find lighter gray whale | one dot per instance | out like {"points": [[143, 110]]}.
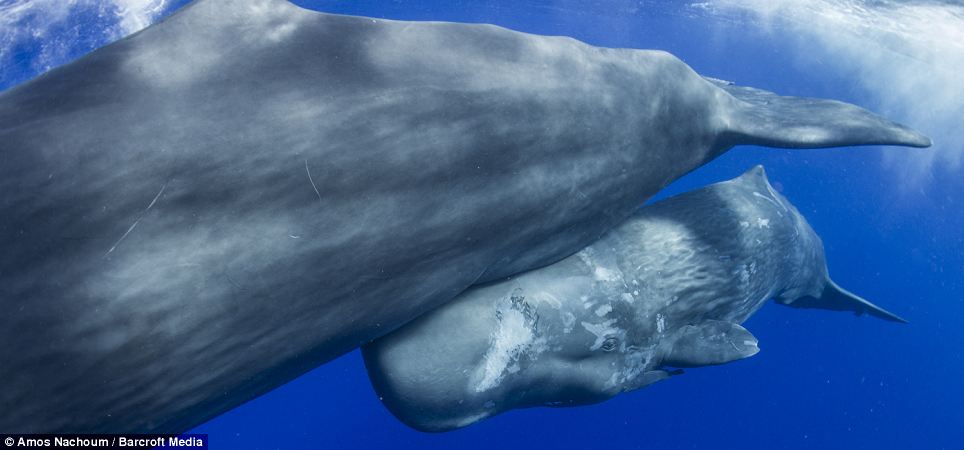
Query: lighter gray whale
{"points": [[667, 289], [203, 211]]}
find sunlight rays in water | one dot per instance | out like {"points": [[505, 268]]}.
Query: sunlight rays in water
{"points": [[907, 55], [38, 35]]}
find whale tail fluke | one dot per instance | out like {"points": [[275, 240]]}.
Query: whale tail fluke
{"points": [[836, 298], [763, 118]]}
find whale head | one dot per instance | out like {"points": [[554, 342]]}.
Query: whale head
{"points": [[552, 337]]}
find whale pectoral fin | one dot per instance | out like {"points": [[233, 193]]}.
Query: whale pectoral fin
{"points": [[764, 118], [708, 343], [649, 377], [836, 298]]}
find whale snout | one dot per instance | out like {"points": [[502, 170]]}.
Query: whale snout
{"points": [[750, 347]]}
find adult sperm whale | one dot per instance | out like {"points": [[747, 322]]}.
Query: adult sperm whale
{"points": [[668, 288], [202, 211]]}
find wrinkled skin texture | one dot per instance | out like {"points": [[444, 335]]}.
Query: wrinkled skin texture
{"points": [[666, 289], [211, 207]]}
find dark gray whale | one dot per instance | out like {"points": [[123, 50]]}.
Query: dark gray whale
{"points": [[666, 289], [202, 211]]}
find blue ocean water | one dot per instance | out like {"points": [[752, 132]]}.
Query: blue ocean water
{"points": [[890, 218]]}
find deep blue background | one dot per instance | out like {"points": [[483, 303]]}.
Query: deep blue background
{"points": [[822, 379]]}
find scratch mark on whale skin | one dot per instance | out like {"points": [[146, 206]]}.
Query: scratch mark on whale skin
{"points": [[137, 221], [310, 180]]}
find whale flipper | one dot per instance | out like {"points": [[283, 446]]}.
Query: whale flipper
{"points": [[836, 298], [761, 117], [649, 377], [708, 343]]}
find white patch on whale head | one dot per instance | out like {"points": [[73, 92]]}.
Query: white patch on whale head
{"points": [[599, 270], [604, 274], [547, 298], [568, 321], [603, 310], [509, 342], [744, 273], [514, 338], [602, 331]]}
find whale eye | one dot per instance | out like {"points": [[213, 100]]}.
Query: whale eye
{"points": [[609, 344]]}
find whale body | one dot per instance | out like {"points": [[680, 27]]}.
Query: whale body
{"points": [[202, 211], [667, 289]]}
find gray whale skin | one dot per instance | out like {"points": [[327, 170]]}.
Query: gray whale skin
{"points": [[666, 289], [202, 211]]}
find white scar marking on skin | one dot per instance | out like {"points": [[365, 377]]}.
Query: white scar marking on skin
{"points": [[604, 274], [762, 223], [744, 275], [774, 195], [568, 320], [603, 310], [312, 181], [601, 331], [769, 199], [548, 298], [636, 363], [138, 220], [513, 338]]}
